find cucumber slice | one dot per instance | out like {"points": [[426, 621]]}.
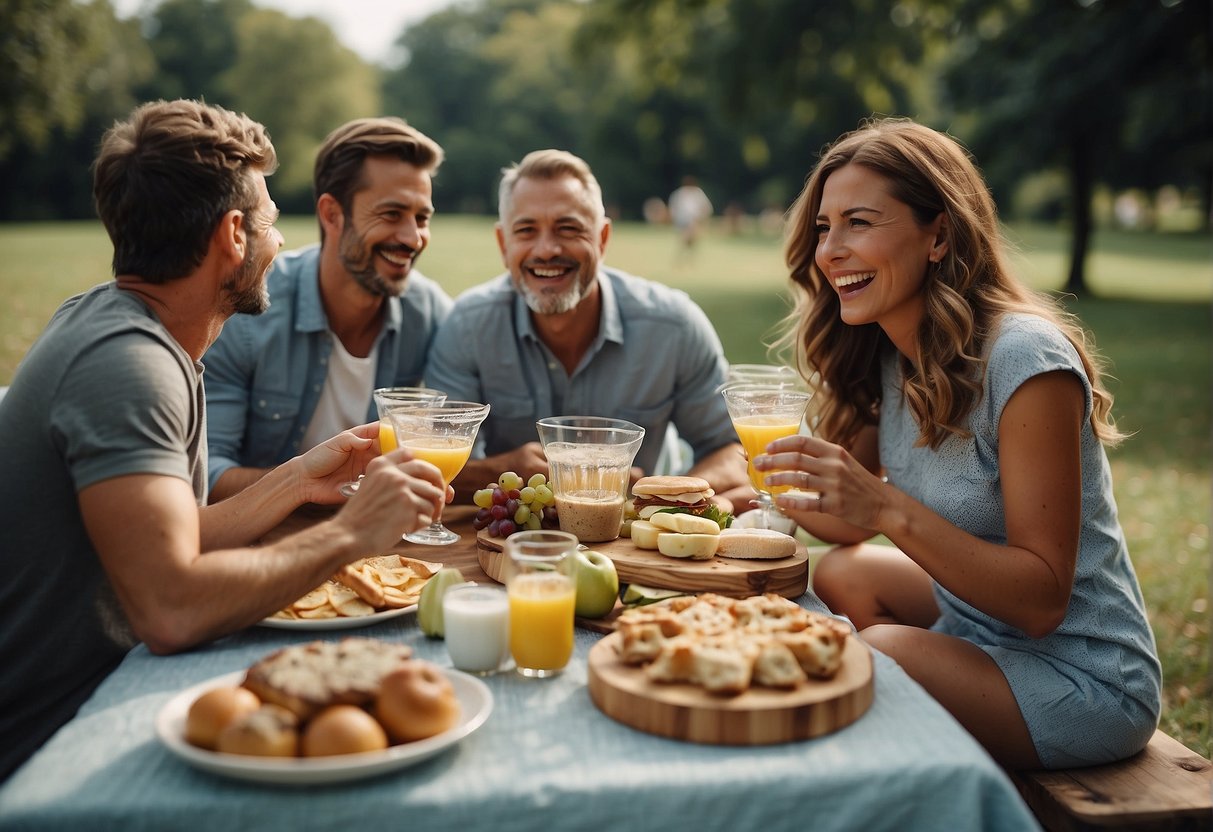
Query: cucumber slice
{"points": [[637, 596]]}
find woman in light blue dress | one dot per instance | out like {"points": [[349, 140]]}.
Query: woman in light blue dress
{"points": [[964, 419]]}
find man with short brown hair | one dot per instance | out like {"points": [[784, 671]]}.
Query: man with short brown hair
{"points": [[348, 315]]}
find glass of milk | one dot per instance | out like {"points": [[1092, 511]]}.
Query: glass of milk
{"points": [[476, 619], [590, 459]]}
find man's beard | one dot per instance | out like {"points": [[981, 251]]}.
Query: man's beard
{"points": [[247, 293], [555, 303], [358, 259]]}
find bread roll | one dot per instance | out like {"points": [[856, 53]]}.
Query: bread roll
{"points": [[755, 544]]}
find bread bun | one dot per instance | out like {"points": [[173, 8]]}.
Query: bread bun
{"points": [[755, 544], [214, 710], [342, 729], [694, 487], [416, 701], [644, 534], [693, 546], [269, 731], [684, 523]]}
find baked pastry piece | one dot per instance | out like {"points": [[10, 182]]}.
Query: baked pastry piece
{"points": [[306, 678], [725, 644]]}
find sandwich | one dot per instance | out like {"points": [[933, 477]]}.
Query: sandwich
{"points": [[681, 495]]}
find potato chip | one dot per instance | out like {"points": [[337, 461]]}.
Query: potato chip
{"points": [[400, 578]]}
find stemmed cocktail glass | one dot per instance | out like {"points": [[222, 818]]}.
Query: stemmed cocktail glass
{"points": [[387, 398], [761, 414], [441, 433]]}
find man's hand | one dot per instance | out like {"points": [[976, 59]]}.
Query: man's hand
{"points": [[524, 460], [398, 494], [336, 461]]}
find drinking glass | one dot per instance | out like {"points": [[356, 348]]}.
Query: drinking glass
{"points": [[590, 460], [541, 581], [385, 399], [476, 619], [441, 433], [761, 414], [775, 375]]}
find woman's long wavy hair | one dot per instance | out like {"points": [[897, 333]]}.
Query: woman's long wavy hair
{"points": [[964, 295]]}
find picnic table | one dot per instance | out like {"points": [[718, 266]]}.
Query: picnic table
{"points": [[545, 758]]}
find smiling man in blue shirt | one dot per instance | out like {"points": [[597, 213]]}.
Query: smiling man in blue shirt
{"points": [[346, 316], [560, 334]]}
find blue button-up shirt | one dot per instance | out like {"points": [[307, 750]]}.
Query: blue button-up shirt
{"points": [[656, 360], [265, 373]]}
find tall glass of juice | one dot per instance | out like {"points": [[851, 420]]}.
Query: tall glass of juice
{"points": [[541, 581]]}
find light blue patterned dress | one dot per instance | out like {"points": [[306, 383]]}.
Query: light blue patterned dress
{"points": [[1089, 691]]}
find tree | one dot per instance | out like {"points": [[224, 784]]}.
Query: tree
{"points": [[302, 106], [1108, 90], [47, 51]]}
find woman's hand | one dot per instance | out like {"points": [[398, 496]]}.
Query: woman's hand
{"points": [[844, 488]]}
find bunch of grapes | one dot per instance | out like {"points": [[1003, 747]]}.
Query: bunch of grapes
{"points": [[508, 505]]}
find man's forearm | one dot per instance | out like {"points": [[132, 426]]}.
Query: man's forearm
{"points": [[724, 468], [242, 520], [233, 481]]}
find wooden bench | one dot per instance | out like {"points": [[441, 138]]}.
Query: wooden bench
{"points": [[1165, 787]]}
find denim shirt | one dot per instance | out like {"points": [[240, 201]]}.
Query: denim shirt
{"points": [[656, 361], [265, 373]]}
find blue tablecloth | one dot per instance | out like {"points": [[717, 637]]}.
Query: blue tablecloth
{"points": [[546, 758]]}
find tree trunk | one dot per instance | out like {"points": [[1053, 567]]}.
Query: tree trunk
{"points": [[1080, 207]]}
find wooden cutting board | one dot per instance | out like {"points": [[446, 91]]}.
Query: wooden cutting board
{"points": [[735, 578], [760, 716]]}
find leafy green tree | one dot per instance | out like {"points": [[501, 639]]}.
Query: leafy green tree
{"points": [[1114, 91], [194, 42], [46, 173], [301, 106], [48, 49]]}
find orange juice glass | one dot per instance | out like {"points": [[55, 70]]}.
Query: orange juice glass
{"points": [[441, 433], [755, 433], [761, 414], [541, 581]]}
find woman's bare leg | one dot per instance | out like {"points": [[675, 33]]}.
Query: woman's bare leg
{"points": [[964, 679], [873, 584]]}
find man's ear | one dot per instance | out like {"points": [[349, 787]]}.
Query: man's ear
{"points": [[500, 233], [230, 239], [604, 234], [330, 214]]}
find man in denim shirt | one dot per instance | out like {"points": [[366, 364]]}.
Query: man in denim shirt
{"points": [[347, 316], [559, 334]]}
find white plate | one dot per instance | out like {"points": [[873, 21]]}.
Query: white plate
{"points": [[475, 701], [345, 622]]}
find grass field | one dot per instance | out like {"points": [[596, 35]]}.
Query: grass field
{"points": [[1151, 320]]}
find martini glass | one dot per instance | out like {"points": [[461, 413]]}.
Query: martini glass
{"points": [[761, 414], [441, 433], [387, 398]]}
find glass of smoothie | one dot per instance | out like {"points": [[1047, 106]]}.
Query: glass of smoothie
{"points": [[590, 462], [541, 583]]}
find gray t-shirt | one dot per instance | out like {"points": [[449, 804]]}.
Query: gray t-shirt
{"points": [[104, 392]]}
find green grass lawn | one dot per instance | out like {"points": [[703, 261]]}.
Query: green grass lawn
{"points": [[1151, 319]]}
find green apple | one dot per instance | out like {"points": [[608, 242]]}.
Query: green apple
{"points": [[597, 584]]}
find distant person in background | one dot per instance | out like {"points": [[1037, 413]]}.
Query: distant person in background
{"points": [[105, 538], [1010, 596], [689, 209], [348, 315], [560, 334]]}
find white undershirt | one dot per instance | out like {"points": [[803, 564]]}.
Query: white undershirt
{"points": [[345, 397]]}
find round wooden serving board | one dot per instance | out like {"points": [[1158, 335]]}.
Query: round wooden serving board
{"points": [[733, 577], [760, 716]]}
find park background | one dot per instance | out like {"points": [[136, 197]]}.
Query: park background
{"points": [[1090, 118]]}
